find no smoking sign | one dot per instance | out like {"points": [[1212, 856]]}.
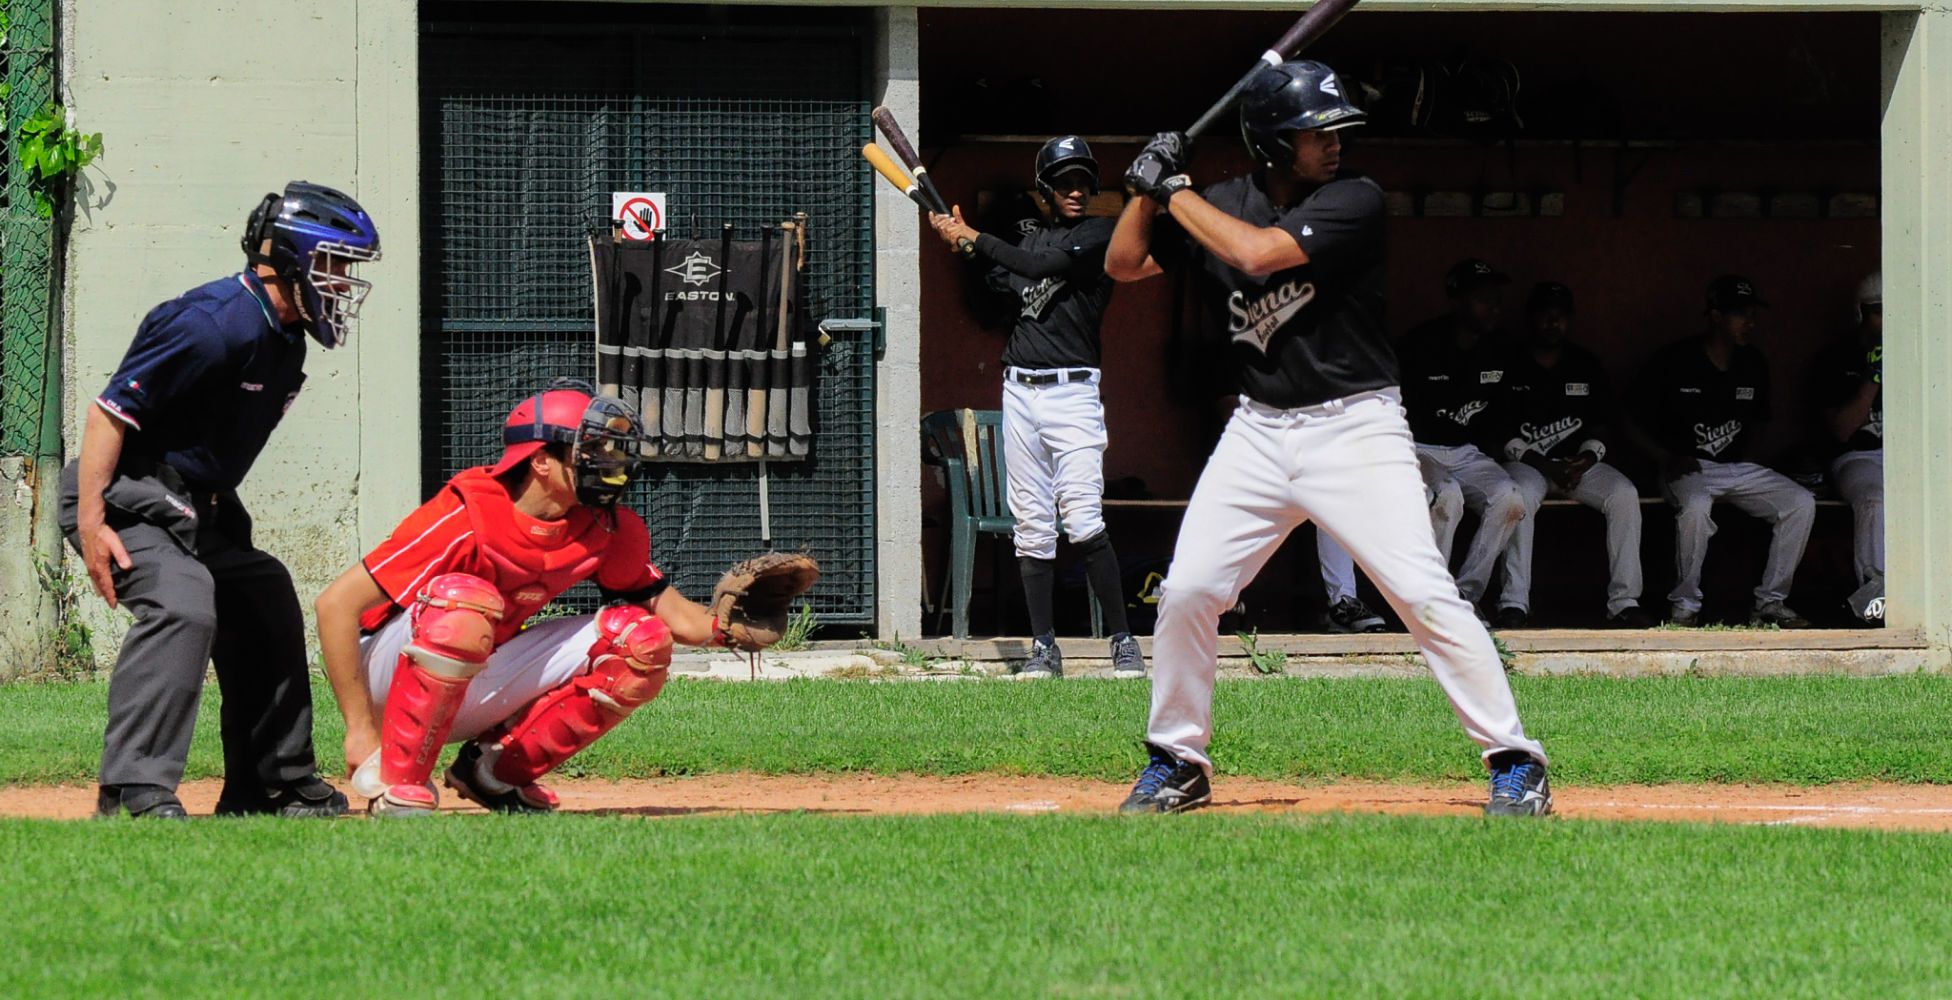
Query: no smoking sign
{"points": [[640, 214]]}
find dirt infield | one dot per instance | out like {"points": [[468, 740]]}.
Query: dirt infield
{"points": [[1881, 806]]}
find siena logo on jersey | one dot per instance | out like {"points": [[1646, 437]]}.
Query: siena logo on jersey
{"points": [[1714, 440], [1254, 322]]}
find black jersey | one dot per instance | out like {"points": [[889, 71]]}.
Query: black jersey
{"points": [[1693, 408], [1841, 369], [1057, 275], [1308, 334], [1556, 410], [1454, 396]]}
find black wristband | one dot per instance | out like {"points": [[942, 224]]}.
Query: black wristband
{"points": [[1170, 186]]}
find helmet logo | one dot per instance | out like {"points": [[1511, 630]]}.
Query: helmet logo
{"points": [[697, 269], [1329, 86]]}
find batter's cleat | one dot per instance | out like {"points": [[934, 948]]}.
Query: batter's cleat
{"points": [[1349, 615], [1167, 785], [1518, 787], [405, 801], [1778, 614], [139, 801], [472, 776], [1510, 617], [1632, 617], [1127, 661], [1045, 659], [1682, 617], [307, 798]]}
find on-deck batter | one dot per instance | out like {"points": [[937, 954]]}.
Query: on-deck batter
{"points": [[1298, 251]]}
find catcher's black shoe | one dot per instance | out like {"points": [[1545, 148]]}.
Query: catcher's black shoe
{"points": [[1046, 660], [140, 801], [1518, 786], [307, 798], [470, 778], [1167, 785]]}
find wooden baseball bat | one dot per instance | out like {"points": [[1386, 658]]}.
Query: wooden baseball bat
{"points": [[884, 120], [1312, 25], [890, 171]]}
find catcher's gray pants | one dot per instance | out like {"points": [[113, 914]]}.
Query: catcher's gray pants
{"points": [[1859, 476], [1459, 478], [1602, 488], [1754, 490], [1349, 466]]}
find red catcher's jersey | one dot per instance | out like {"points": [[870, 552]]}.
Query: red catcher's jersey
{"points": [[471, 526]]}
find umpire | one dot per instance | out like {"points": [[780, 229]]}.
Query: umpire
{"points": [[152, 507], [1053, 420]]}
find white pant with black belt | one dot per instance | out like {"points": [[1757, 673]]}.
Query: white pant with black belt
{"points": [[1602, 488], [1054, 450], [1460, 477], [1754, 490], [1348, 465]]}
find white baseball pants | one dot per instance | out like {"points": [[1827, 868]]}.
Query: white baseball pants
{"points": [[1054, 451], [519, 671], [1754, 490], [1350, 466], [1859, 476], [1459, 478], [1602, 488]]}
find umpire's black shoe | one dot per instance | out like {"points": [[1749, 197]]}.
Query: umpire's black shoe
{"points": [[1168, 785], [1518, 786], [140, 801], [306, 798]]}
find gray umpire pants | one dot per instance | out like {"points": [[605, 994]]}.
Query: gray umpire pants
{"points": [[1602, 488], [1754, 490], [1859, 476], [1459, 478], [217, 600]]}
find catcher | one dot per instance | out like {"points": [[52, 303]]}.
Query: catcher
{"points": [[423, 638]]}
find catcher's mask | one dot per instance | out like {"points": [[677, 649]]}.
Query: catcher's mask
{"points": [[603, 436]]}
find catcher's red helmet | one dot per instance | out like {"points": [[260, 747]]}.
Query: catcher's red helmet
{"points": [[549, 417]]}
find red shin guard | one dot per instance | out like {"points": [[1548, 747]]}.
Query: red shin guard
{"points": [[420, 708], [453, 635], [627, 669]]}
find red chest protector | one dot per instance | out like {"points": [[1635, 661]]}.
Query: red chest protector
{"points": [[528, 560]]}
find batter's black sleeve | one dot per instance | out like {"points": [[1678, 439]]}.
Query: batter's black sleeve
{"points": [[1035, 264], [1342, 221]]}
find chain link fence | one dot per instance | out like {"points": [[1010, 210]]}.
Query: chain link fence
{"points": [[27, 366], [529, 127]]}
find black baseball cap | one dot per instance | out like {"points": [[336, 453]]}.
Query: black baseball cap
{"points": [[1471, 273], [1732, 291], [1550, 295]]}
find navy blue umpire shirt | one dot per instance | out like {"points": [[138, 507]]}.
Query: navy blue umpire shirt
{"points": [[210, 374]]}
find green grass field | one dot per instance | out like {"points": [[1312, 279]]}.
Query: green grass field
{"points": [[1016, 905]]}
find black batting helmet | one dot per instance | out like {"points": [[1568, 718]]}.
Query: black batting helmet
{"points": [[1064, 153], [1304, 96]]}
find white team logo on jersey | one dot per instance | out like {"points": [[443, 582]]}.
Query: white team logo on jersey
{"points": [[1874, 424], [1037, 298], [1253, 323], [1463, 415], [1579, 389], [1714, 440], [1546, 437], [1491, 378]]}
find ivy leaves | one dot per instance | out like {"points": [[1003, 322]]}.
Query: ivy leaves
{"points": [[53, 153]]}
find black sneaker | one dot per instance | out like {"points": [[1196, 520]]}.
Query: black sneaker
{"points": [[1045, 659], [1510, 617], [470, 777], [140, 801], [306, 798], [1127, 661], [1518, 787], [1778, 614], [1167, 785], [1350, 615], [1631, 617]]}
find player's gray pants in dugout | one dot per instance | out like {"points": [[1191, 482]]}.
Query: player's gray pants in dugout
{"points": [[1859, 476], [1754, 490], [226, 602], [1466, 473], [1602, 488], [1349, 466]]}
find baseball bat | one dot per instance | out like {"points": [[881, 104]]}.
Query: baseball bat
{"points": [[890, 171], [1312, 25], [884, 120]]}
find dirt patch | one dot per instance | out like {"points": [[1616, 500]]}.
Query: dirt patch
{"points": [[1881, 806]]}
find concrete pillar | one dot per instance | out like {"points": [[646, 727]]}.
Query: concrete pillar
{"points": [[898, 383]]}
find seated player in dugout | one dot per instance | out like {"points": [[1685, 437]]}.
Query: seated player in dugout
{"points": [[1454, 392], [424, 639], [1296, 252], [1561, 406], [151, 504], [1696, 409], [1850, 388], [1053, 419]]}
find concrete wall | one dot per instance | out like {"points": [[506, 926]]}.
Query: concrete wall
{"points": [[204, 107], [898, 380]]}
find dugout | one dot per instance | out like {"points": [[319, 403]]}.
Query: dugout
{"points": [[1632, 155]]}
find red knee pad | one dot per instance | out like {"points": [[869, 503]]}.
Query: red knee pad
{"points": [[627, 669], [453, 634]]}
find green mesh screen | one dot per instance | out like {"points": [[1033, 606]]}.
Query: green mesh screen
{"points": [[26, 240], [530, 125]]}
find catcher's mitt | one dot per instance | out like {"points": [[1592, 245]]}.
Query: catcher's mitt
{"points": [[753, 598]]}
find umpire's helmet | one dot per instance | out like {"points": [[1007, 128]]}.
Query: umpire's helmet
{"points": [[312, 236], [1066, 152], [1303, 95]]}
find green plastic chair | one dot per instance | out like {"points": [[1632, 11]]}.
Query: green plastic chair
{"points": [[968, 444]]}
